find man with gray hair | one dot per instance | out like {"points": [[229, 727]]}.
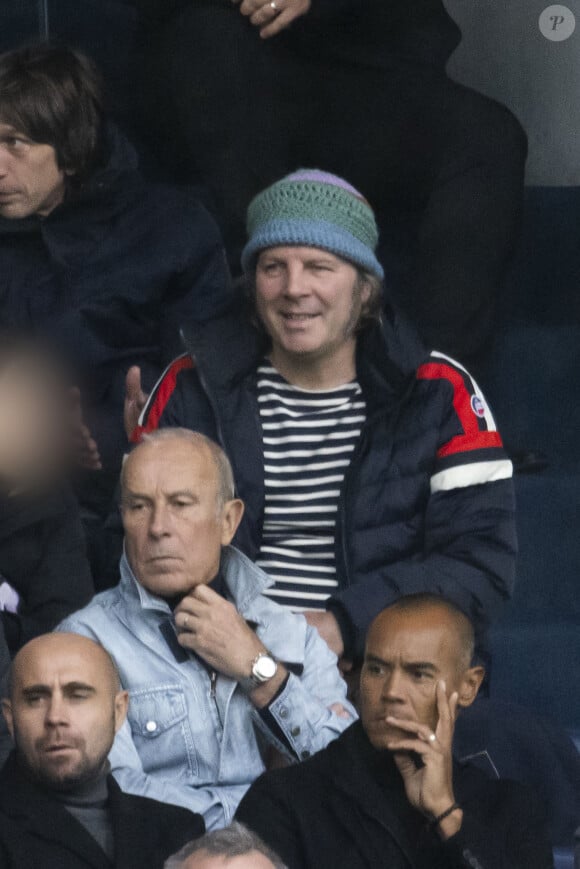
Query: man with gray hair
{"points": [[217, 674], [234, 847]]}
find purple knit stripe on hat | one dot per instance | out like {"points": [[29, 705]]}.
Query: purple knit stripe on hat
{"points": [[320, 177]]}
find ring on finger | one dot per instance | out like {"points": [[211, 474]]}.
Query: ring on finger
{"points": [[185, 620], [274, 6], [432, 737]]}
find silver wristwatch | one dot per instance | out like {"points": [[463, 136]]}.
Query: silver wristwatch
{"points": [[264, 667]]}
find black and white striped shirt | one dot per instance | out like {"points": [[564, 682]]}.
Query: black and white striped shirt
{"points": [[308, 440]]}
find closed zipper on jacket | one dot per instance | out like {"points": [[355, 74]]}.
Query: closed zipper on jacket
{"points": [[341, 508]]}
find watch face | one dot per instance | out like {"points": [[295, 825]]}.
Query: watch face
{"points": [[264, 668]]}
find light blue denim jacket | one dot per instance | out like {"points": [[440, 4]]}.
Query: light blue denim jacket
{"points": [[185, 743]]}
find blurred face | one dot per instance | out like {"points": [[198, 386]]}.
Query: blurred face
{"points": [[32, 434], [309, 302], [406, 654], [173, 528], [30, 179], [203, 860], [64, 710]]}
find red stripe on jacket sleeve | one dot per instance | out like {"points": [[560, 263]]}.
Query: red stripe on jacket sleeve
{"points": [[472, 438], [162, 394]]}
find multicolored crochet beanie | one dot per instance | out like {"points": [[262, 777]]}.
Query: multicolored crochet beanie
{"points": [[315, 209]]}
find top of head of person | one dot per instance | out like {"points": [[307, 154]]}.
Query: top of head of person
{"points": [[412, 647], [233, 847], [63, 708], [312, 275], [51, 122], [179, 508]]}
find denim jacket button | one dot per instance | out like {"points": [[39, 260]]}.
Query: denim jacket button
{"points": [[283, 712], [151, 726]]}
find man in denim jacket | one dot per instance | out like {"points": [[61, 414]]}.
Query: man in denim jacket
{"points": [[218, 675]]}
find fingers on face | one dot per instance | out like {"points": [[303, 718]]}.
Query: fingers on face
{"points": [[415, 745], [446, 708], [421, 731]]}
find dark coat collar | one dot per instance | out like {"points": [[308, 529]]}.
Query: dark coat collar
{"points": [[44, 818], [369, 779], [356, 774], [136, 837]]}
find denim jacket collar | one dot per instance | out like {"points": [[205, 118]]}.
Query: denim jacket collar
{"points": [[132, 589], [245, 583]]}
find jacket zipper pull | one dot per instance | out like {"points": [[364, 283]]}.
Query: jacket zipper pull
{"points": [[213, 680]]}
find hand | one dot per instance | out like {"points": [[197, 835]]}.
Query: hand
{"points": [[429, 788], [135, 399], [213, 628], [272, 20], [327, 626], [85, 448]]}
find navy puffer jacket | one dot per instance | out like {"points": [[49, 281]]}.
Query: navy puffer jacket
{"points": [[427, 503]]}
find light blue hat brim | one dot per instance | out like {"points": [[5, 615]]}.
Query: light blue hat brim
{"points": [[311, 233]]}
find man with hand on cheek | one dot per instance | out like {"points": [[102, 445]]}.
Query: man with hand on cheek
{"points": [[388, 791], [408, 712], [217, 674]]}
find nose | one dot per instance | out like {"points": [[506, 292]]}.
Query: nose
{"points": [[56, 711], [159, 523], [393, 686], [296, 282]]}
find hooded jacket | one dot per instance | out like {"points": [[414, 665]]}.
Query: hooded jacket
{"points": [[108, 277], [427, 503]]}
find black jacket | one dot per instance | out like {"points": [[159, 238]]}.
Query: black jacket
{"points": [[109, 277], [371, 33], [43, 558], [38, 833], [347, 807], [427, 502]]}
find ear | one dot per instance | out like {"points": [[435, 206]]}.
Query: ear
{"points": [[121, 707], [231, 517], [7, 712], [365, 293], [470, 685]]}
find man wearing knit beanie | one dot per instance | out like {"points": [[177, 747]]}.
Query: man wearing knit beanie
{"points": [[370, 468]]}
